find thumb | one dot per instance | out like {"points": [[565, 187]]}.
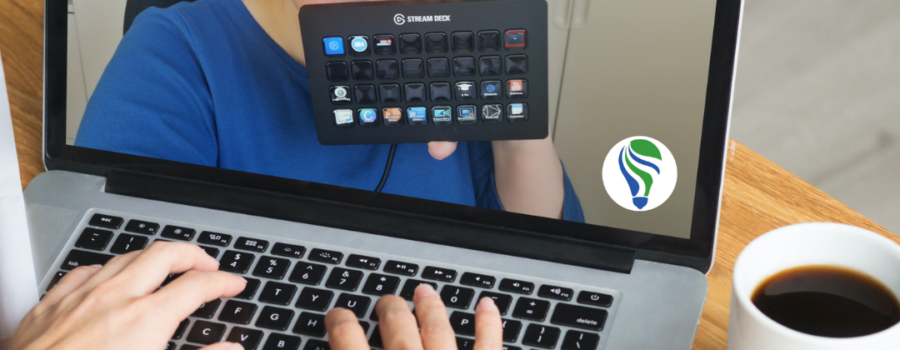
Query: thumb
{"points": [[223, 346], [441, 149]]}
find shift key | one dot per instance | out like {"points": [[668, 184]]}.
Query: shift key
{"points": [[579, 316], [78, 258]]}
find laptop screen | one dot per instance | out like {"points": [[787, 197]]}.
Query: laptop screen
{"points": [[209, 83]]}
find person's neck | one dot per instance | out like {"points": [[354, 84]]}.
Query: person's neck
{"points": [[279, 19]]}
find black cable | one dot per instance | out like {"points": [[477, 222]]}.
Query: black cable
{"points": [[387, 168]]}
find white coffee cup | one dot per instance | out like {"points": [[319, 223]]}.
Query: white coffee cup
{"points": [[801, 245]]}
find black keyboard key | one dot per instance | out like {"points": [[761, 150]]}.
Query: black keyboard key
{"points": [[249, 290], [275, 318], [213, 252], [315, 344], [363, 262], [248, 338], [356, 303], [401, 268], [237, 312], [307, 273], [516, 64], [501, 300], [55, 280], [384, 44], [362, 70], [378, 284], [439, 274], [106, 221], [310, 324], [189, 347], [277, 293], [375, 338], [179, 332], [326, 256], [436, 43], [344, 279], [93, 239], [282, 342], [541, 336], [410, 44], [554, 292], [365, 326], [288, 250], [463, 323], [511, 330], [206, 332], [531, 309], [596, 299], [271, 267], [465, 343], [179, 233], [438, 67], [337, 71], [251, 244], [387, 69], [510, 347], [142, 227], [236, 262], [207, 310], [78, 258], [490, 65], [462, 41], [170, 346], [128, 243], [489, 40], [457, 297], [516, 286], [409, 288], [477, 280], [575, 340], [314, 299], [214, 238], [579, 316], [464, 66], [390, 93]]}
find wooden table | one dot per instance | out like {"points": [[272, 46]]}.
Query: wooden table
{"points": [[759, 195]]}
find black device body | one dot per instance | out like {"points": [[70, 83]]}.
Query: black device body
{"points": [[505, 112]]}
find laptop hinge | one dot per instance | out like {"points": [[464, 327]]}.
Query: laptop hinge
{"points": [[381, 221]]}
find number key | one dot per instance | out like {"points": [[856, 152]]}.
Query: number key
{"points": [[378, 284], [307, 273], [126, 243], [236, 262], [94, 239], [344, 279], [271, 267], [457, 297]]}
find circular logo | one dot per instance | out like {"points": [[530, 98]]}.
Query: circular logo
{"points": [[340, 92], [334, 45], [367, 115], [491, 88], [359, 44], [639, 173], [399, 19]]}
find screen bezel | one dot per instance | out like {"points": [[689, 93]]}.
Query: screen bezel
{"points": [[696, 251]]}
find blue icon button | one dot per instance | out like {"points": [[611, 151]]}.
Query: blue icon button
{"points": [[334, 45], [417, 115], [359, 43], [367, 115]]}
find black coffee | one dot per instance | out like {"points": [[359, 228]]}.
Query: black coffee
{"points": [[827, 301]]}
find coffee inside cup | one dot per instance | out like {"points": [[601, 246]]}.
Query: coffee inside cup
{"points": [[827, 301]]}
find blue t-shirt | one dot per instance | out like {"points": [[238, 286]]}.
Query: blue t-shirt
{"points": [[203, 83]]}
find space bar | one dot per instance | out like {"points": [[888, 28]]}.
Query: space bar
{"points": [[78, 258]]}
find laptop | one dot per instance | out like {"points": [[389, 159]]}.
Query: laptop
{"points": [[640, 98]]}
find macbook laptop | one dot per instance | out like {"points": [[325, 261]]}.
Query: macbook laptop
{"points": [[640, 99]]}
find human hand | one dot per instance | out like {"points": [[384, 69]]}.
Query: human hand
{"points": [[118, 306], [399, 329]]}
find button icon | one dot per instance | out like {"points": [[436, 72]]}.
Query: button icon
{"points": [[491, 90], [517, 112], [517, 88], [334, 45], [340, 94], [441, 115], [492, 113], [515, 39], [343, 117], [417, 115], [392, 116], [465, 90], [359, 43], [466, 114], [367, 116]]}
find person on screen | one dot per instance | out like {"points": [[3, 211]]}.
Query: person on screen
{"points": [[223, 83]]}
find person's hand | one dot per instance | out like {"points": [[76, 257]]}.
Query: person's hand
{"points": [[118, 306], [399, 329]]}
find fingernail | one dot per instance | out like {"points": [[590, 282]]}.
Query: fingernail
{"points": [[486, 304], [424, 290], [234, 346]]}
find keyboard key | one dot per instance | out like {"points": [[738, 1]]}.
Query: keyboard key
{"points": [[275, 318], [516, 64], [282, 342], [464, 66], [277, 293], [127, 243], [334, 46], [356, 303], [462, 41], [214, 238], [315, 344], [142, 227], [401, 268], [531, 309], [457, 297], [410, 44], [378, 284], [515, 39], [344, 279], [384, 44], [415, 92], [170, 346], [363, 262], [438, 67], [189, 347], [206, 332], [307, 273], [249, 290], [541, 336], [337, 71], [596, 299], [465, 90], [236, 262], [213, 252], [375, 338], [78, 258], [359, 45], [490, 65], [207, 310], [575, 340], [436, 43], [310, 324], [365, 326], [516, 286], [106, 221], [237, 312], [179, 332], [251, 244], [362, 70], [516, 88], [314, 299], [465, 343], [271, 267], [492, 90], [476, 280], [93, 239], [179, 233], [55, 280], [390, 93], [326, 256], [439, 274], [511, 330], [554, 292], [501, 300], [510, 347], [248, 338], [288, 250], [387, 69], [579, 316], [409, 288], [440, 91], [463, 323], [489, 40]]}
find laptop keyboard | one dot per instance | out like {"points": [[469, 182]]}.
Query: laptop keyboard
{"points": [[291, 286]]}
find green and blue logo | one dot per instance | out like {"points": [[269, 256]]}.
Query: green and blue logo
{"points": [[639, 173]]}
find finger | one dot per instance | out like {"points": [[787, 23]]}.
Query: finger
{"points": [[344, 331], [150, 268], [223, 346], [397, 324], [488, 326], [110, 269], [179, 299], [441, 149], [435, 327], [70, 282]]}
